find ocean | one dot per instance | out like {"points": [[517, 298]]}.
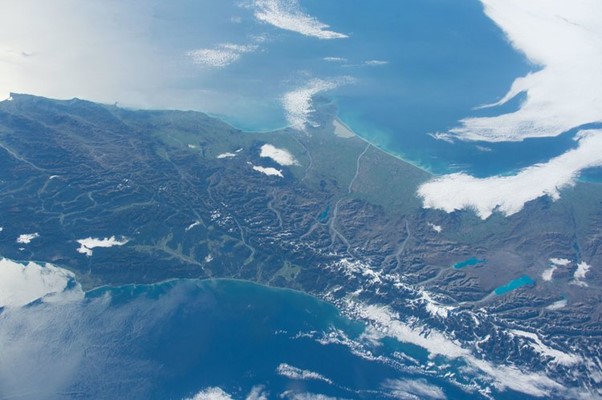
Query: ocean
{"points": [[411, 69], [399, 71], [175, 339]]}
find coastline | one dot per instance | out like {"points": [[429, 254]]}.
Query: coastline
{"points": [[337, 120]]}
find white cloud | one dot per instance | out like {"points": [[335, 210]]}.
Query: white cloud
{"points": [[212, 393], [22, 284], [287, 14], [77, 344], [26, 238], [298, 103], [508, 194], [281, 156], [305, 396], [557, 356], [220, 56], [86, 245], [335, 59], [257, 393], [413, 389], [300, 374], [565, 39], [376, 63], [387, 324], [217, 393], [268, 171]]}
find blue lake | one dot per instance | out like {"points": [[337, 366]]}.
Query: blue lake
{"points": [[524, 280], [469, 263], [324, 215]]}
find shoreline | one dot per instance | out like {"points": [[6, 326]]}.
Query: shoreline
{"points": [[337, 120], [208, 280]]}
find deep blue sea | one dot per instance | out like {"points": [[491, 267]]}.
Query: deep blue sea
{"points": [[175, 339], [442, 59]]}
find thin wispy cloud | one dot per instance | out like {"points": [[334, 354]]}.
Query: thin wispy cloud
{"points": [[335, 59], [376, 63], [345, 62], [292, 372], [298, 103], [221, 55], [288, 15], [413, 389], [212, 393]]}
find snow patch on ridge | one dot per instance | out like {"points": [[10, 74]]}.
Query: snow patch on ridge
{"points": [[548, 274], [535, 342], [579, 275], [433, 307], [226, 155], [436, 228], [268, 171]]}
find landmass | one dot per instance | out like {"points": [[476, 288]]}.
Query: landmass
{"points": [[171, 194]]}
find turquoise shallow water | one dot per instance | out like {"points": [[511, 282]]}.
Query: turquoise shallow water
{"points": [[469, 263], [524, 280]]}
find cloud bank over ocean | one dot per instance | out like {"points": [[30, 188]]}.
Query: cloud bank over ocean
{"points": [[563, 40], [508, 194], [21, 284]]}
